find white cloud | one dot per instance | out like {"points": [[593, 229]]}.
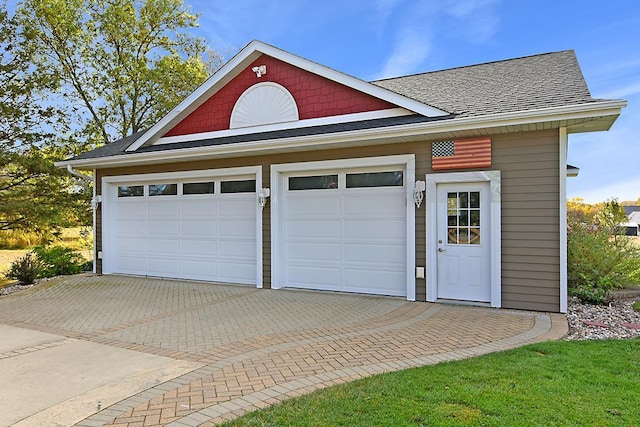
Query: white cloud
{"points": [[420, 23], [622, 92], [410, 51]]}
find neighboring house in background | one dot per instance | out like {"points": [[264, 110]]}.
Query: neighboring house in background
{"points": [[280, 172], [633, 226]]}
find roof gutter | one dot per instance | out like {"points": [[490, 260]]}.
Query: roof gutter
{"points": [[76, 173], [552, 114]]}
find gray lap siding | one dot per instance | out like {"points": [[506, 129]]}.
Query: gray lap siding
{"points": [[529, 168]]}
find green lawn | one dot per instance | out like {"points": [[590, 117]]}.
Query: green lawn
{"points": [[584, 383]]}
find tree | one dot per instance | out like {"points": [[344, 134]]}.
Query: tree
{"points": [[122, 64], [30, 196]]}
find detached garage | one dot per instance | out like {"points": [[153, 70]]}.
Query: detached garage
{"points": [[279, 172]]}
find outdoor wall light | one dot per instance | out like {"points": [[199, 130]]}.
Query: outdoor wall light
{"points": [[95, 201], [263, 196], [418, 192], [260, 70]]}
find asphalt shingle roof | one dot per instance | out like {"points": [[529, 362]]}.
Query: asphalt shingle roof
{"points": [[520, 84], [527, 83]]}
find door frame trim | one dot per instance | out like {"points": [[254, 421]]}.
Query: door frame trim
{"points": [[279, 172], [109, 199], [432, 181]]}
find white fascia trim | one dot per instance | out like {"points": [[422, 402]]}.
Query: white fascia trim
{"points": [[606, 108], [564, 146], [277, 197], [432, 180], [108, 199], [252, 51], [345, 118], [347, 80]]}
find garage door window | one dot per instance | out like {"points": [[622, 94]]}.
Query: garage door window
{"points": [[245, 186], [375, 179], [197, 188], [163, 189], [318, 182], [131, 191]]}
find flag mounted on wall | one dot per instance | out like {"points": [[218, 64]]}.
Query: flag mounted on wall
{"points": [[461, 154]]}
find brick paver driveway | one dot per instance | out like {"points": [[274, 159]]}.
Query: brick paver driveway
{"points": [[256, 347]]}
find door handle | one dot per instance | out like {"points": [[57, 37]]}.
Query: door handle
{"points": [[441, 250]]}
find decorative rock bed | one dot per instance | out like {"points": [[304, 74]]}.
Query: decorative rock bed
{"points": [[618, 320]]}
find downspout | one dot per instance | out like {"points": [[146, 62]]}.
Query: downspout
{"points": [[94, 204], [564, 147]]}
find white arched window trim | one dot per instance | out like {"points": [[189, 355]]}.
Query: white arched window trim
{"points": [[263, 104]]}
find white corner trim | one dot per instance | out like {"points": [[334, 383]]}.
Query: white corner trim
{"points": [[305, 123], [494, 179], [278, 182], [109, 199], [249, 53], [564, 146]]}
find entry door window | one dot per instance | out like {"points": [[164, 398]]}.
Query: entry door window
{"points": [[463, 218]]}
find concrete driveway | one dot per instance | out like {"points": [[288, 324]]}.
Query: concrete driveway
{"points": [[113, 350]]}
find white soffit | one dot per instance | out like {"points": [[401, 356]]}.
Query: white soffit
{"points": [[247, 55]]}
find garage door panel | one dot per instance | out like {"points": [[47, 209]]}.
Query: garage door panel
{"points": [[171, 228], [132, 243], [313, 229], [198, 208], [199, 248], [237, 272], [315, 205], [169, 267], [132, 227], [237, 248], [388, 254], [234, 207], [376, 281], [314, 251], [391, 230], [127, 209], [318, 277], [382, 206], [199, 228], [199, 269], [237, 229], [164, 246], [131, 264], [164, 209]]}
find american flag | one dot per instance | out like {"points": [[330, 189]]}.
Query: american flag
{"points": [[461, 154]]}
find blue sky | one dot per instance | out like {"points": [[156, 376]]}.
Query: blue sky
{"points": [[385, 38]]}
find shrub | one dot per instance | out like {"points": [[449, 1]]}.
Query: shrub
{"points": [[25, 269], [599, 260], [60, 260]]}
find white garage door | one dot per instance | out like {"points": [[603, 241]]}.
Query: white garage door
{"points": [[204, 229], [346, 231]]}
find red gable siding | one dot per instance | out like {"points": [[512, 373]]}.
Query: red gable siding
{"points": [[316, 97]]}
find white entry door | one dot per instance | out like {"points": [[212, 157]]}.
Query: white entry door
{"points": [[464, 241]]}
